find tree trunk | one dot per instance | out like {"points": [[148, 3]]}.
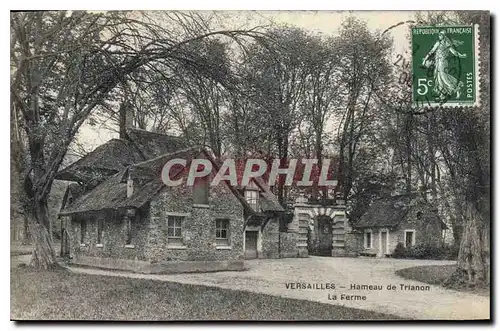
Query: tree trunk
{"points": [[318, 152], [408, 137], [474, 255], [43, 256], [456, 227], [35, 215]]}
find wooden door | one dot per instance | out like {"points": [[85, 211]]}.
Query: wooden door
{"points": [[251, 244], [324, 236], [383, 244]]}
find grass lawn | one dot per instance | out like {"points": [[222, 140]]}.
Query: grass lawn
{"points": [[63, 295], [436, 275]]}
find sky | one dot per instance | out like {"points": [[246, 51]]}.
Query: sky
{"points": [[324, 22]]}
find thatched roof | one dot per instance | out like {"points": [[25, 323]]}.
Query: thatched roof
{"points": [[152, 144], [391, 211], [112, 193], [73, 192], [117, 154], [268, 201], [106, 159], [107, 195], [152, 168]]}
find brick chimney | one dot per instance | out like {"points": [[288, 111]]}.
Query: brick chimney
{"points": [[126, 118], [130, 185]]}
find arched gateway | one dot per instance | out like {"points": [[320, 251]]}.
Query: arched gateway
{"points": [[322, 227]]}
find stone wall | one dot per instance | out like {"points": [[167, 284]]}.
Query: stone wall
{"points": [[276, 244], [113, 237], [198, 228], [353, 243], [300, 225], [149, 229], [428, 227], [426, 232], [305, 219], [339, 229]]}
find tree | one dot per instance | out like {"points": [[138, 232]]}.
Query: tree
{"points": [[467, 158], [207, 96], [64, 65], [364, 69], [447, 153], [246, 132], [277, 75], [464, 145], [320, 93]]}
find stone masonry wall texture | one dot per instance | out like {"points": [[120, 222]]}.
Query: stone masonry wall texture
{"points": [[113, 237], [149, 229], [427, 231], [198, 226], [276, 244]]}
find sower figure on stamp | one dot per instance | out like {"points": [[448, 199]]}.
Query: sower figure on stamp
{"points": [[444, 83]]}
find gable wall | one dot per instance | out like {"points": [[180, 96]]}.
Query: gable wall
{"points": [[198, 228], [428, 231]]}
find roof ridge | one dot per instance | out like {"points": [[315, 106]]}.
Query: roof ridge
{"points": [[130, 128], [179, 151], [102, 146]]}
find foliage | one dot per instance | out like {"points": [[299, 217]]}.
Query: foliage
{"points": [[281, 92], [67, 64], [426, 251], [399, 251], [364, 69]]}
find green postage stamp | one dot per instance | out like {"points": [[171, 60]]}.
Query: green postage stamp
{"points": [[445, 65]]}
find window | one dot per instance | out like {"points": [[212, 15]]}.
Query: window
{"points": [[100, 228], [83, 231], [368, 239], [174, 229], [409, 238], [222, 232], [200, 191], [252, 198], [128, 229]]}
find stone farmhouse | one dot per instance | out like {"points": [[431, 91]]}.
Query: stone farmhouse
{"points": [[406, 219], [119, 214]]}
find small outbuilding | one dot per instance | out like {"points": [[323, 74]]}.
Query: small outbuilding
{"points": [[407, 219]]}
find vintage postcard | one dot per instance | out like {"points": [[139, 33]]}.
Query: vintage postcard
{"points": [[250, 165]]}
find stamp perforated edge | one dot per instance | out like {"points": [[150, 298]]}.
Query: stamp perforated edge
{"points": [[477, 70]]}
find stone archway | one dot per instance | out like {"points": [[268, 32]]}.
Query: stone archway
{"points": [[321, 237], [305, 214]]}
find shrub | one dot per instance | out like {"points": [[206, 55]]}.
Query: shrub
{"points": [[399, 251], [425, 251]]}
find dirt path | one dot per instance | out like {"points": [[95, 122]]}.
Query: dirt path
{"points": [[271, 277]]}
